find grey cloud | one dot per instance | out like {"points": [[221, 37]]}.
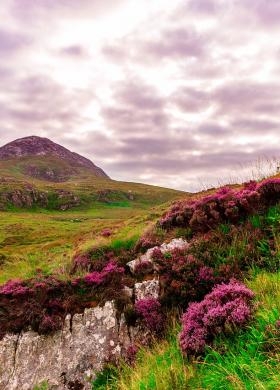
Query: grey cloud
{"points": [[11, 42], [74, 51], [191, 99]]}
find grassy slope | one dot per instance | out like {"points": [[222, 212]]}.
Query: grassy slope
{"points": [[47, 239], [238, 363], [248, 360]]}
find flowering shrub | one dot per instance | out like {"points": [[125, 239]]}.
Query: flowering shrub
{"points": [[106, 233], [228, 306], [43, 302], [183, 277], [97, 278], [143, 267], [226, 205], [150, 310], [131, 354], [148, 240], [81, 262]]}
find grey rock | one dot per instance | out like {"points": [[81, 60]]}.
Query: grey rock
{"points": [[147, 289], [176, 243], [72, 355]]}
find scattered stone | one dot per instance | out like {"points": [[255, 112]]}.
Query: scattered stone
{"points": [[146, 289], [176, 243]]}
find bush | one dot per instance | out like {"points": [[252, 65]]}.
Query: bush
{"points": [[227, 307], [42, 302], [183, 277], [150, 310], [226, 205]]}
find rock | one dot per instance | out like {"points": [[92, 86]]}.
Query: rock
{"points": [[26, 197], [147, 289], [72, 355], [176, 243]]}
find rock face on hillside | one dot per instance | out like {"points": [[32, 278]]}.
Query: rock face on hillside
{"points": [[29, 196], [36, 146], [70, 358]]}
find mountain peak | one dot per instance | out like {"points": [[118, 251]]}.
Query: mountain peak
{"points": [[34, 146]]}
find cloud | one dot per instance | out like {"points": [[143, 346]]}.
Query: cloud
{"points": [[266, 12], [184, 90], [74, 51], [11, 42]]}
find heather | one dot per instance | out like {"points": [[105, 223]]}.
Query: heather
{"points": [[183, 278], [247, 358], [230, 329], [185, 275], [227, 205], [149, 309], [227, 308], [43, 301]]}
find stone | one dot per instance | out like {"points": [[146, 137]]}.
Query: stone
{"points": [[73, 355], [176, 243], [146, 289]]}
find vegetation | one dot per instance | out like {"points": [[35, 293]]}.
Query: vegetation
{"points": [[244, 351], [226, 281]]}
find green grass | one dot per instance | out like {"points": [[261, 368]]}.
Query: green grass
{"points": [[248, 360], [48, 238]]}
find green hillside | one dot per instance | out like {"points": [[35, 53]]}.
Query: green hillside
{"points": [[45, 236]]}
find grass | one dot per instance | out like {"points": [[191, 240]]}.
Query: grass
{"points": [[249, 360], [48, 238], [161, 367]]}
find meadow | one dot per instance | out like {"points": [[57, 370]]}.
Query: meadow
{"points": [[233, 232]]}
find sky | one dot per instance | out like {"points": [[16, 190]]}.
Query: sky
{"points": [[181, 94]]}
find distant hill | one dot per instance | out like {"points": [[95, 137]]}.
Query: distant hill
{"points": [[55, 163], [36, 172]]}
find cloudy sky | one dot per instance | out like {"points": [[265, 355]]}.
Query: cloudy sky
{"points": [[176, 93]]}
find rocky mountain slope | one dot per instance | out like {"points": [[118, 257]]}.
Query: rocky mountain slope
{"points": [[67, 162], [37, 172]]}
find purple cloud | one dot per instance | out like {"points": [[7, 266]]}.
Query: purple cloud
{"points": [[74, 51], [11, 42]]}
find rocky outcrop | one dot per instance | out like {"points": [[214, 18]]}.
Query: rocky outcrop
{"points": [[176, 243], [26, 197], [29, 196], [70, 358], [66, 200], [146, 289]]}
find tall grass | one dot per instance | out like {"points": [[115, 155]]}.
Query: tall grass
{"points": [[161, 368], [246, 361]]}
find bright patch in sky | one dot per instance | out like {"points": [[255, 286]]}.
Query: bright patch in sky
{"points": [[175, 93]]}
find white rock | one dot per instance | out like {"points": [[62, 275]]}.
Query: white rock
{"points": [[147, 289], [176, 243]]}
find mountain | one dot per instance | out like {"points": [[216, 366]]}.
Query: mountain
{"points": [[37, 172], [60, 163]]}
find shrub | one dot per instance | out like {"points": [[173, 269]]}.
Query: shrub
{"points": [[143, 267], [227, 307], [106, 233], [226, 205], [81, 262], [183, 277], [42, 302], [151, 238], [131, 354], [149, 310]]}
